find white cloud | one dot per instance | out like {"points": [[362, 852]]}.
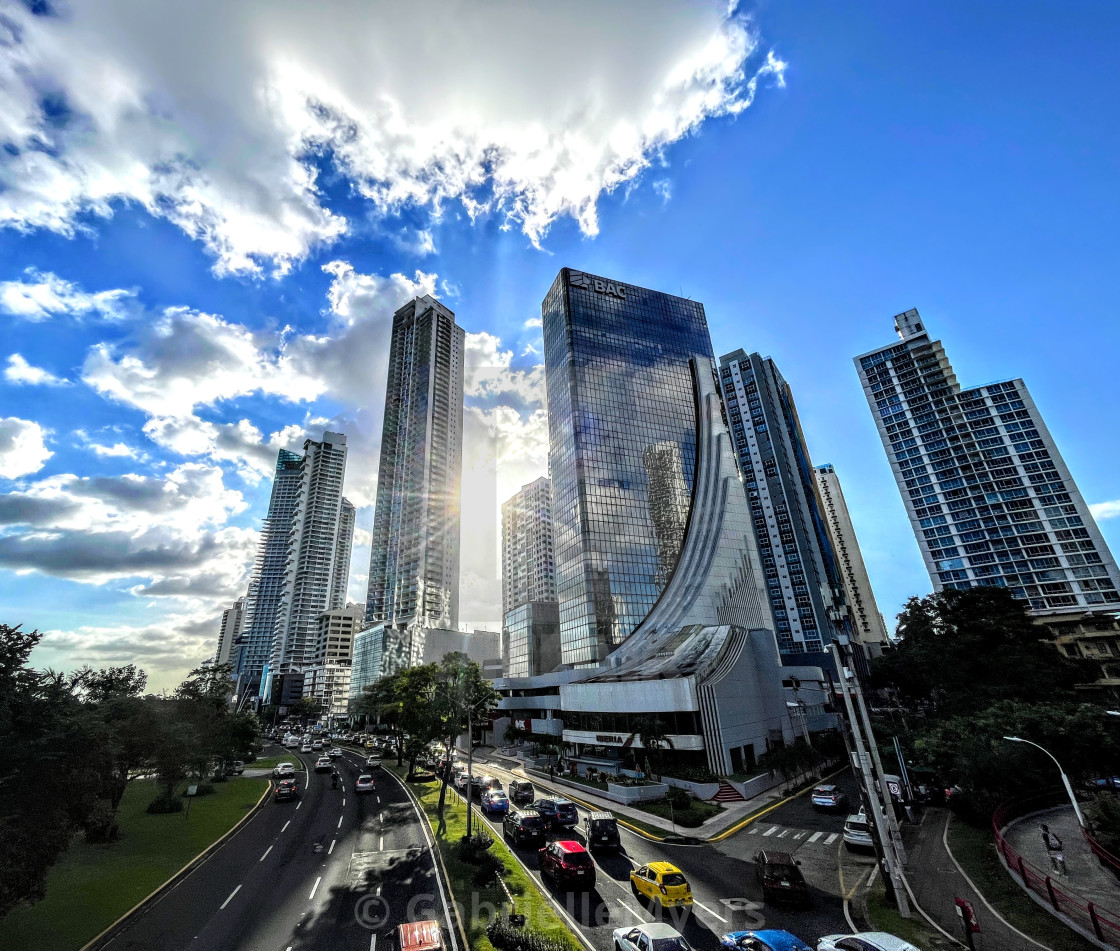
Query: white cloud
{"points": [[20, 371], [213, 115], [44, 295], [534, 322], [117, 450], [487, 371], [23, 447], [663, 188], [1102, 510]]}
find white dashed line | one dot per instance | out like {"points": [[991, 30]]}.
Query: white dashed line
{"points": [[380, 843], [629, 909], [800, 835], [832, 838], [298, 804], [331, 849], [373, 942], [344, 800], [377, 891], [815, 836], [784, 833], [266, 851], [315, 888], [231, 894], [754, 830], [771, 830], [339, 826], [715, 914], [286, 824]]}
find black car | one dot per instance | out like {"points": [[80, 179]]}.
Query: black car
{"points": [[557, 813], [601, 831], [521, 792], [286, 790], [781, 879], [524, 828]]}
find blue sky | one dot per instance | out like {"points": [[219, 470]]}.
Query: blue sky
{"points": [[199, 254]]}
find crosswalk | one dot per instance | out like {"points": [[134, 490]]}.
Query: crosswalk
{"points": [[794, 838]]}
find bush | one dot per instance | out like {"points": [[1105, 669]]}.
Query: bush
{"points": [[162, 805], [505, 937], [680, 798], [204, 789], [692, 774]]}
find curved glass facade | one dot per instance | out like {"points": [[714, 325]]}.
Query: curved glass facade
{"points": [[622, 429]]}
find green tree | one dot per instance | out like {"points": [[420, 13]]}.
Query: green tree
{"points": [[653, 738]]}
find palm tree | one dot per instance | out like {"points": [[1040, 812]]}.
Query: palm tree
{"points": [[653, 738]]}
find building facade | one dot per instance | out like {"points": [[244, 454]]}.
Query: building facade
{"points": [[414, 560], [531, 639], [233, 618], [316, 534], [340, 573], [803, 580], [617, 390], [266, 590], [335, 632], [867, 623], [989, 496]]}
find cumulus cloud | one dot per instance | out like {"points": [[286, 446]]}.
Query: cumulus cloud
{"points": [[19, 371], [487, 371], [218, 116], [43, 295], [1102, 510], [23, 447]]}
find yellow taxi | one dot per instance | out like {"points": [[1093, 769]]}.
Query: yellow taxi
{"points": [[662, 883]]}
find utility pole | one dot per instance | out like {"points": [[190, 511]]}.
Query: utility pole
{"points": [[470, 766], [888, 857]]}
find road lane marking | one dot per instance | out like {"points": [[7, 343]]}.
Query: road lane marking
{"points": [[377, 891], [373, 942], [709, 910], [771, 830], [380, 843], [339, 826], [266, 851], [754, 830], [344, 800], [286, 824], [832, 838], [629, 909], [801, 834], [231, 894], [315, 888], [381, 818], [379, 800], [815, 836], [298, 804], [784, 833], [331, 849]]}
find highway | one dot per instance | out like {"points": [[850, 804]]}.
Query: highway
{"points": [[330, 872], [722, 875]]}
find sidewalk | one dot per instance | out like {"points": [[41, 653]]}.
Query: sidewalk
{"points": [[936, 881], [727, 817], [1085, 874]]}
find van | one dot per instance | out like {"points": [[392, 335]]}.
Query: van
{"points": [[521, 792], [601, 831]]}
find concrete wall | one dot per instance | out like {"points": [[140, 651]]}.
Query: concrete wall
{"points": [[699, 790]]}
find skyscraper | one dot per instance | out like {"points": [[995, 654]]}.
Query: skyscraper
{"points": [[867, 622], [267, 587], [340, 573], [802, 577], [988, 494], [232, 619], [530, 614], [616, 390], [318, 530], [414, 561]]}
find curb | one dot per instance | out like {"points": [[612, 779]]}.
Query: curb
{"points": [[111, 932]]}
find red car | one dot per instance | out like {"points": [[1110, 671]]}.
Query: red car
{"points": [[568, 864]]}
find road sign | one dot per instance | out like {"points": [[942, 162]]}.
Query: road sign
{"points": [[967, 915], [192, 790]]}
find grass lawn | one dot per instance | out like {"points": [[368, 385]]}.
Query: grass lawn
{"points": [[695, 815], [539, 914], [885, 917], [93, 885], [975, 850]]}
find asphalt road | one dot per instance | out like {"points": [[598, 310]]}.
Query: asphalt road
{"points": [[332, 871], [726, 894]]}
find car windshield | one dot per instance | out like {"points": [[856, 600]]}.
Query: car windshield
{"points": [[673, 878], [578, 859], [671, 944], [602, 825], [365, 779], [531, 822], [858, 825]]}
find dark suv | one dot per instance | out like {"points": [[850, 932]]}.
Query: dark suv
{"points": [[568, 864], [521, 792], [523, 828], [781, 879], [601, 831], [557, 813]]}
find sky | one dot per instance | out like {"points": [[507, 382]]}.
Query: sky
{"points": [[209, 212]]}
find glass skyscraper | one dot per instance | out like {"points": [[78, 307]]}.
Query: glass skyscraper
{"points": [[988, 494], [622, 414]]}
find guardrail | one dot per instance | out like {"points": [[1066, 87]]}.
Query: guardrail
{"points": [[1105, 924]]}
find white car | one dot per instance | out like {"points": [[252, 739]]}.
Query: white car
{"points": [[306, 748], [864, 941], [284, 771], [654, 936], [335, 753]]}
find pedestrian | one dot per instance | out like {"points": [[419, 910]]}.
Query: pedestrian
{"points": [[551, 771], [1054, 849]]}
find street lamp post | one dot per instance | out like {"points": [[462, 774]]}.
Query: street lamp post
{"points": [[1065, 778]]}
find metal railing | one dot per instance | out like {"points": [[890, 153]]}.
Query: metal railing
{"points": [[1104, 923]]}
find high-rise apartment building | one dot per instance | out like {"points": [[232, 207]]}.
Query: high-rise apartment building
{"points": [[867, 622], [340, 573], [528, 561], [530, 617], [266, 590], [232, 619], [622, 434], [988, 494], [328, 677], [414, 561], [318, 530], [802, 578]]}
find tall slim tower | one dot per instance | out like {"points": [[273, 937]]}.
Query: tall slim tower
{"points": [[233, 618], [313, 556], [988, 494], [867, 622], [266, 589], [340, 573], [414, 561], [802, 577]]}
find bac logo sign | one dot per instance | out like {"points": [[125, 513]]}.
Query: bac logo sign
{"points": [[586, 281]]}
